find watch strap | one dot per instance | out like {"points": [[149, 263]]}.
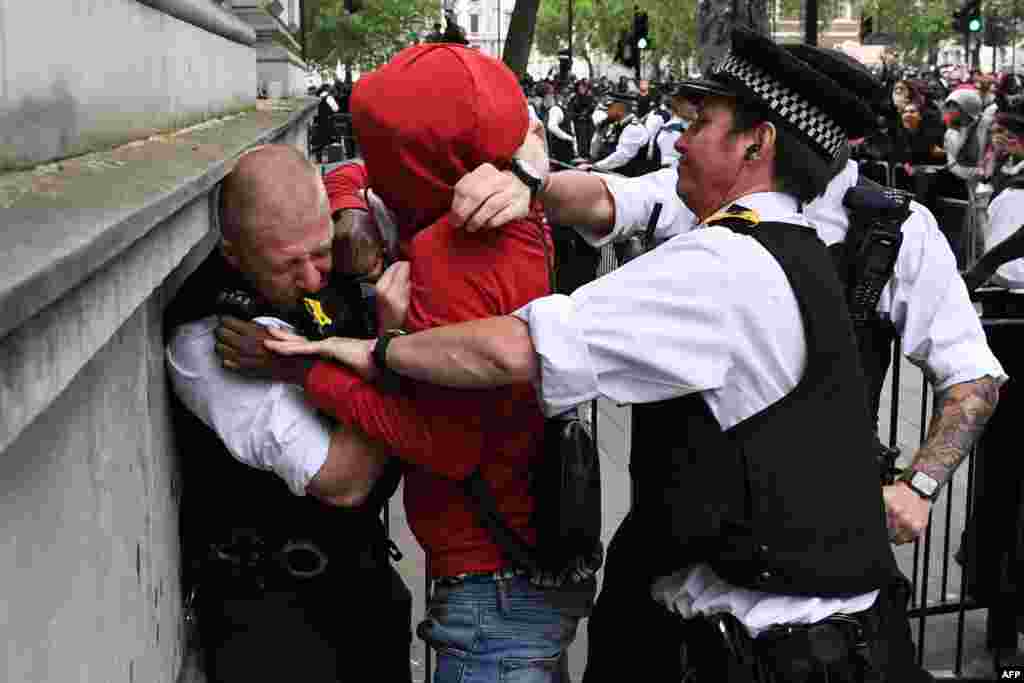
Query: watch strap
{"points": [[531, 181], [386, 377]]}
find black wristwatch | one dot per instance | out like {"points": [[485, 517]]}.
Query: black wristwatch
{"points": [[386, 377], [922, 484], [528, 175]]}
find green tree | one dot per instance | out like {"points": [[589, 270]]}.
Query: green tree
{"points": [[366, 38], [917, 27], [598, 25]]}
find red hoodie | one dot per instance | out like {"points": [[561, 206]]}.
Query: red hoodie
{"points": [[424, 120]]}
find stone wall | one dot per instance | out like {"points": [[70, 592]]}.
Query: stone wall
{"points": [[94, 248], [81, 75]]}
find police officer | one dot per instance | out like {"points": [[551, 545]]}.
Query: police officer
{"points": [[281, 583], [730, 340], [622, 139], [561, 133], [920, 297]]}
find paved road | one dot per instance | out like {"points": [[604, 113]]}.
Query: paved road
{"points": [[940, 632]]}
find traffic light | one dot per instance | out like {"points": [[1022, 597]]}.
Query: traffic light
{"points": [[972, 15], [640, 32], [867, 27]]}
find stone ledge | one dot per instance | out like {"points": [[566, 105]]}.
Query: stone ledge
{"points": [[208, 16], [64, 221]]}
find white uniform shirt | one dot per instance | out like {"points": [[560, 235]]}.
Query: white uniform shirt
{"points": [[555, 118], [666, 141], [1006, 215], [634, 136], [266, 425], [653, 122], [926, 299], [709, 311]]}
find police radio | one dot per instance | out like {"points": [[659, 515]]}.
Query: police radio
{"points": [[338, 310], [877, 216]]}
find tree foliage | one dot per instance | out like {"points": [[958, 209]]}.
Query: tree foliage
{"points": [[366, 38], [599, 24]]}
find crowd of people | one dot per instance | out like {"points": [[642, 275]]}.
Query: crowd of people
{"points": [[404, 316]]}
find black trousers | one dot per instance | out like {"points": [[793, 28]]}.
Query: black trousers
{"points": [[343, 626], [993, 543], [629, 632]]}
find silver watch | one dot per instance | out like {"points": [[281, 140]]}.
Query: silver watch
{"points": [[922, 484]]}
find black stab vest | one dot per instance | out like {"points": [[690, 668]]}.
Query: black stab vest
{"points": [[787, 501], [221, 497]]}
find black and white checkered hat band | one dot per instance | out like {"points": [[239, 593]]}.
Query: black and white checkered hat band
{"points": [[790, 105]]}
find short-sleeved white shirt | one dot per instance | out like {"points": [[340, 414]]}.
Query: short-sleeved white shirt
{"points": [[926, 299], [1006, 215]]}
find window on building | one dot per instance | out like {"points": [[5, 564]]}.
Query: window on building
{"points": [[474, 23]]}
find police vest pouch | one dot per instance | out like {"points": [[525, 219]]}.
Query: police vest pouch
{"points": [[872, 246]]}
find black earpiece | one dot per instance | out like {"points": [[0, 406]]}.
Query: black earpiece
{"points": [[753, 152]]}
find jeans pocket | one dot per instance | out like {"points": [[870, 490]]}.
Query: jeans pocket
{"points": [[531, 670], [451, 666]]}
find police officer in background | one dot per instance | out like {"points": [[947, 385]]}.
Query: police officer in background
{"points": [[736, 347], [561, 133], [285, 580], [621, 138]]}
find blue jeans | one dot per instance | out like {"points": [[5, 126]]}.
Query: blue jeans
{"points": [[488, 630]]}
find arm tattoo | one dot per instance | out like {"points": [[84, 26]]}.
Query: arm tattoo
{"points": [[958, 417]]}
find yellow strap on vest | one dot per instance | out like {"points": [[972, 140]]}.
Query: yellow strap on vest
{"points": [[733, 214], [316, 311]]}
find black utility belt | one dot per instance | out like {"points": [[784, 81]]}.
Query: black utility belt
{"points": [[783, 649], [295, 559]]}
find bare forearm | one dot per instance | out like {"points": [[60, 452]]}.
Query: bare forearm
{"points": [[579, 199], [353, 465], [479, 354], [959, 416]]}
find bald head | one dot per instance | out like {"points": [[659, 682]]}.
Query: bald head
{"points": [[276, 224], [268, 184]]}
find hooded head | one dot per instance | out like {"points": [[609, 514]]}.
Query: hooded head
{"points": [[962, 106], [430, 116]]}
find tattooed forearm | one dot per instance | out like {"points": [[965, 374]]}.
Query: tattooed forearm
{"points": [[958, 418]]}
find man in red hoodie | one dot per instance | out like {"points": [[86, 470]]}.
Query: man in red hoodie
{"points": [[424, 120]]}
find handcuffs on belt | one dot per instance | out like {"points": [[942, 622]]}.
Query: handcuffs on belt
{"points": [[299, 558]]}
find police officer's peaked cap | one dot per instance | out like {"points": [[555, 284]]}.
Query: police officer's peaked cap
{"points": [[849, 74], [787, 90]]}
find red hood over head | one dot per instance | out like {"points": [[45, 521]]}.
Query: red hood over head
{"points": [[429, 116]]}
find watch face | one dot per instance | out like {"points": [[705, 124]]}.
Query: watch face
{"points": [[925, 484]]}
